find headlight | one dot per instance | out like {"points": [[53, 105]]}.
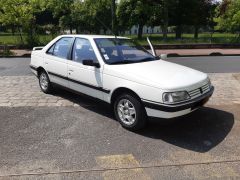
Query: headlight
{"points": [[174, 97]]}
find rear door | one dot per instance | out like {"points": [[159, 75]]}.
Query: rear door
{"points": [[55, 61]]}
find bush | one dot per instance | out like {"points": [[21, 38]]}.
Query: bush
{"points": [[6, 51], [32, 40]]}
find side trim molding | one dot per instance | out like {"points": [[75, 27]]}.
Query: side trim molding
{"points": [[81, 83], [33, 67]]}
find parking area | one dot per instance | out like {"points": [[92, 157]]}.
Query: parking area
{"points": [[20, 91], [68, 136]]}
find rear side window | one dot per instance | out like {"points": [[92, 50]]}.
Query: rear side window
{"points": [[61, 47]]}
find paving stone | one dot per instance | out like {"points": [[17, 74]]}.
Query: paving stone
{"points": [[4, 100], [25, 91], [42, 104], [19, 104], [31, 104], [5, 104]]}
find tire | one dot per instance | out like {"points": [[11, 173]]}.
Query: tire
{"points": [[124, 108], [44, 82]]}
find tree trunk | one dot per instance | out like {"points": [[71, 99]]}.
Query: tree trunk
{"points": [[13, 30], [20, 33], [165, 20], [196, 31], [77, 30], [165, 31], [179, 32], [114, 23], [70, 28], [140, 31]]}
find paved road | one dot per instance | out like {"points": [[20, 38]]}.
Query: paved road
{"points": [[85, 142], [20, 66], [14, 67], [218, 64]]}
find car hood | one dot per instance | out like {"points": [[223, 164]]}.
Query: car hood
{"points": [[160, 74]]}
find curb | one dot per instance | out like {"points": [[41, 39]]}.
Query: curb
{"points": [[23, 56], [202, 55], [195, 46]]}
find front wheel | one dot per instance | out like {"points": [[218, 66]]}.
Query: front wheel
{"points": [[44, 82], [130, 112]]}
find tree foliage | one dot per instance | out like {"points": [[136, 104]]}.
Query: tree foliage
{"points": [[229, 16], [95, 15], [20, 14], [195, 13], [91, 16], [134, 12]]}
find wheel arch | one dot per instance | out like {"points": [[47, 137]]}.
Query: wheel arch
{"points": [[40, 69], [121, 90]]}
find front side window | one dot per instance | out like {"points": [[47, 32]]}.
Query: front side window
{"points": [[62, 47], [83, 50], [122, 51]]}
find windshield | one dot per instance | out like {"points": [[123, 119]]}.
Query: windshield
{"points": [[122, 51]]}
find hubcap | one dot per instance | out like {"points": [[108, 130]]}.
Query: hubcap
{"points": [[126, 112], [43, 81]]}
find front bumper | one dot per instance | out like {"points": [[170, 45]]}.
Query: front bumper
{"points": [[161, 110]]}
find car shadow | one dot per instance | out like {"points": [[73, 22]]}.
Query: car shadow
{"points": [[199, 131], [87, 102]]}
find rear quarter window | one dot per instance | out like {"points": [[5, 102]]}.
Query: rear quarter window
{"points": [[61, 48]]}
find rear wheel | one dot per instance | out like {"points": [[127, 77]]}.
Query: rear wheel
{"points": [[130, 112], [44, 82]]}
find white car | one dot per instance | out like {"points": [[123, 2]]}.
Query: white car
{"points": [[120, 72]]}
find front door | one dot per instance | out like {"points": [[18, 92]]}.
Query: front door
{"points": [[82, 78]]}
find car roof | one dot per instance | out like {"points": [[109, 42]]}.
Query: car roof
{"points": [[93, 36]]}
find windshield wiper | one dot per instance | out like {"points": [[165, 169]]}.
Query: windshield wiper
{"points": [[123, 62], [134, 61]]}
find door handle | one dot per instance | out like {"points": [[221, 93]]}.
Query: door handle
{"points": [[70, 71]]}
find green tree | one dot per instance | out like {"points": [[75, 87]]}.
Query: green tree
{"points": [[134, 12], [189, 13], [229, 16], [20, 14], [202, 14], [161, 10], [92, 16], [62, 10]]}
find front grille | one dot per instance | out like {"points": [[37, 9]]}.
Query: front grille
{"points": [[199, 91]]}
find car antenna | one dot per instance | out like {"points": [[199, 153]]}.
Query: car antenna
{"points": [[152, 48], [106, 27]]}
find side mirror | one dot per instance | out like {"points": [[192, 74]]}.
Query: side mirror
{"points": [[163, 56], [91, 63]]}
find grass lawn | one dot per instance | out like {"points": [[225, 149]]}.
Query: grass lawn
{"points": [[189, 38], [16, 40], [155, 38]]}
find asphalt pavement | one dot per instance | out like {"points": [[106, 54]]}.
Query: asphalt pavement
{"points": [[15, 67], [211, 64], [85, 142]]}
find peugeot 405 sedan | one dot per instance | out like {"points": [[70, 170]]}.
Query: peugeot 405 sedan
{"points": [[117, 70]]}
